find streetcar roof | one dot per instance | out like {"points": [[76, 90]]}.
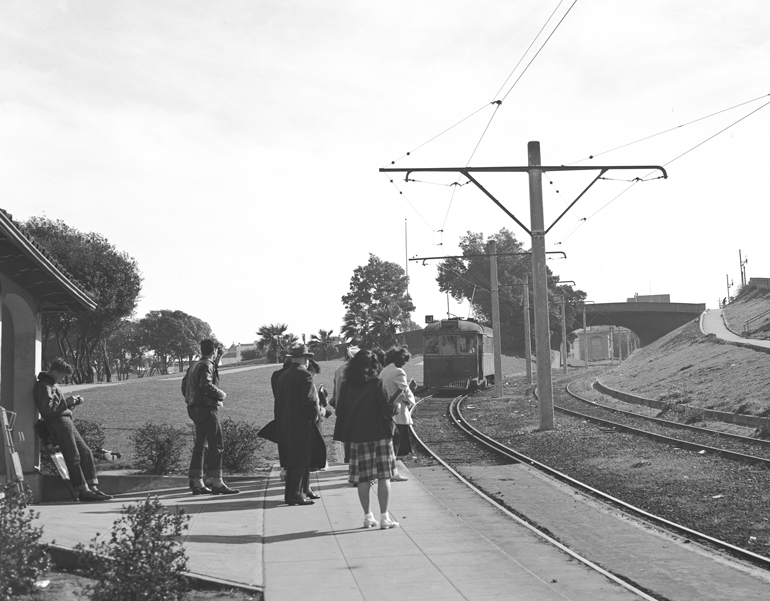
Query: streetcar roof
{"points": [[450, 326]]}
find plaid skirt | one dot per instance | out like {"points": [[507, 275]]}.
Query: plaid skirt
{"points": [[371, 460]]}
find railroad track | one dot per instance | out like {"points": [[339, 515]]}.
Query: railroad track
{"points": [[457, 441]]}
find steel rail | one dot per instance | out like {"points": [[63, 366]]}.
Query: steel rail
{"points": [[585, 561], [669, 424], [491, 443]]}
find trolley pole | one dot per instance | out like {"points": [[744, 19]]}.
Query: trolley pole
{"points": [[496, 318], [527, 331], [540, 288], [564, 333]]}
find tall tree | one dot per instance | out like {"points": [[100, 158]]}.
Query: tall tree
{"points": [[468, 279], [125, 348], [111, 277], [324, 343], [378, 285], [172, 335]]}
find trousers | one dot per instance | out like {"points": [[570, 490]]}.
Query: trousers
{"points": [[297, 483], [207, 430], [77, 455]]}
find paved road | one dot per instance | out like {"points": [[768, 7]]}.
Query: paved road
{"points": [[712, 322]]}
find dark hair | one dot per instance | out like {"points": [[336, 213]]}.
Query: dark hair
{"points": [[381, 358], [207, 346], [313, 366], [362, 368], [61, 366], [398, 356]]}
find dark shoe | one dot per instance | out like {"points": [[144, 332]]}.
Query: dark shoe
{"points": [[224, 490], [301, 502], [200, 490], [89, 496], [311, 495], [103, 494]]}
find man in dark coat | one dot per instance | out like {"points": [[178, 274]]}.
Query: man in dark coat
{"points": [[297, 403], [277, 413]]}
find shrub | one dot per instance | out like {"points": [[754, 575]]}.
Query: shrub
{"points": [[22, 559], [249, 354], [159, 448], [241, 444], [143, 560], [91, 432]]}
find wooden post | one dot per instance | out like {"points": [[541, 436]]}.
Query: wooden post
{"points": [[527, 331], [496, 318]]}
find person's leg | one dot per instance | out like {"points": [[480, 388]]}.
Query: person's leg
{"points": [[195, 472], [63, 431], [213, 433], [383, 494], [363, 496], [293, 486], [87, 467]]}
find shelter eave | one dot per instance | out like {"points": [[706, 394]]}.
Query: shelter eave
{"points": [[22, 260]]}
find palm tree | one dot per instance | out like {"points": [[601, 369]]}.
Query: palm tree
{"points": [[323, 342], [272, 340], [387, 324]]}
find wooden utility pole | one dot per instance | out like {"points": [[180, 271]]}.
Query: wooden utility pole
{"points": [[540, 288], [527, 331], [564, 334], [496, 318], [585, 337]]}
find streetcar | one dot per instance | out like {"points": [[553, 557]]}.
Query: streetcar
{"points": [[458, 355]]}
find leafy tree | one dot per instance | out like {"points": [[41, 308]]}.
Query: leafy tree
{"points": [[275, 341], [468, 279], [375, 286], [109, 276], [323, 343], [125, 348], [172, 335]]}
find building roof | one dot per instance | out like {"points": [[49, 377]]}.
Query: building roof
{"points": [[31, 266]]}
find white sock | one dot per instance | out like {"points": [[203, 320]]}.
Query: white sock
{"points": [[369, 515], [197, 482], [217, 483], [384, 516]]}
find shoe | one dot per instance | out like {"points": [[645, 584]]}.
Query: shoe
{"points": [[102, 494], [300, 502], [224, 490], [370, 522], [311, 495], [389, 522], [200, 490], [88, 496], [398, 478]]}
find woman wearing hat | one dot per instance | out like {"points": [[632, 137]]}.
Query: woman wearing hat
{"points": [[367, 415]]}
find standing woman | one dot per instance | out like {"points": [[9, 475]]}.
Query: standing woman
{"points": [[367, 416], [394, 378]]}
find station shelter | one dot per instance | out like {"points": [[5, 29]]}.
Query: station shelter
{"points": [[32, 284]]}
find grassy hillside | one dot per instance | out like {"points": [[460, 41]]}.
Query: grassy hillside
{"points": [[751, 303], [699, 370]]}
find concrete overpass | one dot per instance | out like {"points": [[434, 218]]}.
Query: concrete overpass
{"points": [[648, 320]]}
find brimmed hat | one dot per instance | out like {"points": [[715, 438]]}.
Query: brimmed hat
{"points": [[298, 352], [352, 350]]}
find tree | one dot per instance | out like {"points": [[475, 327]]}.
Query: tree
{"points": [[323, 343], [275, 341], [109, 276], [468, 279], [125, 348], [378, 285], [172, 335]]}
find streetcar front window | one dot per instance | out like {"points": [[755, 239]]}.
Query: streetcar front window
{"points": [[431, 345], [467, 346], [449, 345]]}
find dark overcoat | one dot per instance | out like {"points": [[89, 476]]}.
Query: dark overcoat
{"points": [[276, 411], [298, 434]]}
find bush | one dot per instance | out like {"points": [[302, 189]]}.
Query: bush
{"points": [[159, 448], [22, 559], [249, 354], [92, 433], [241, 444], [144, 558]]}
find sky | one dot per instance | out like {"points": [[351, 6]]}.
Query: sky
{"points": [[233, 148]]}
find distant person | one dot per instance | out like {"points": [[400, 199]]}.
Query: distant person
{"points": [[56, 412], [399, 392], [200, 387], [339, 377], [298, 432], [367, 415]]}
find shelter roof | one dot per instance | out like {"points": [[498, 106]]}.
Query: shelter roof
{"points": [[31, 266]]}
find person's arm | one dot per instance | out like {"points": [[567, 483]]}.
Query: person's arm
{"points": [[207, 385], [49, 400], [403, 386], [309, 395]]}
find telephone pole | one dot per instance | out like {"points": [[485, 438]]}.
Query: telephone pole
{"points": [[496, 319], [538, 231]]}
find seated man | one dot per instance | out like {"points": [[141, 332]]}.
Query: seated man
{"points": [[56, 411]]}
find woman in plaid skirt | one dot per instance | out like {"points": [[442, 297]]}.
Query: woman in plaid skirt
{"points": [[367, 415]]}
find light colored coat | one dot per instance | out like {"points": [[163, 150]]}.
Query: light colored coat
{"points": [[395, 380]]}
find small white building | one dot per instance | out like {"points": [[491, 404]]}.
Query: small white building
{"points": [[234, 353]]}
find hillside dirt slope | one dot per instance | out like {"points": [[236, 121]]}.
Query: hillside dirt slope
{"points": [[686, 366], [751, 303]]}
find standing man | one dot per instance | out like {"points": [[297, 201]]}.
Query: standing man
{"points": [[277, 413], [200, 387], [56, 411], [298, 408]]}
